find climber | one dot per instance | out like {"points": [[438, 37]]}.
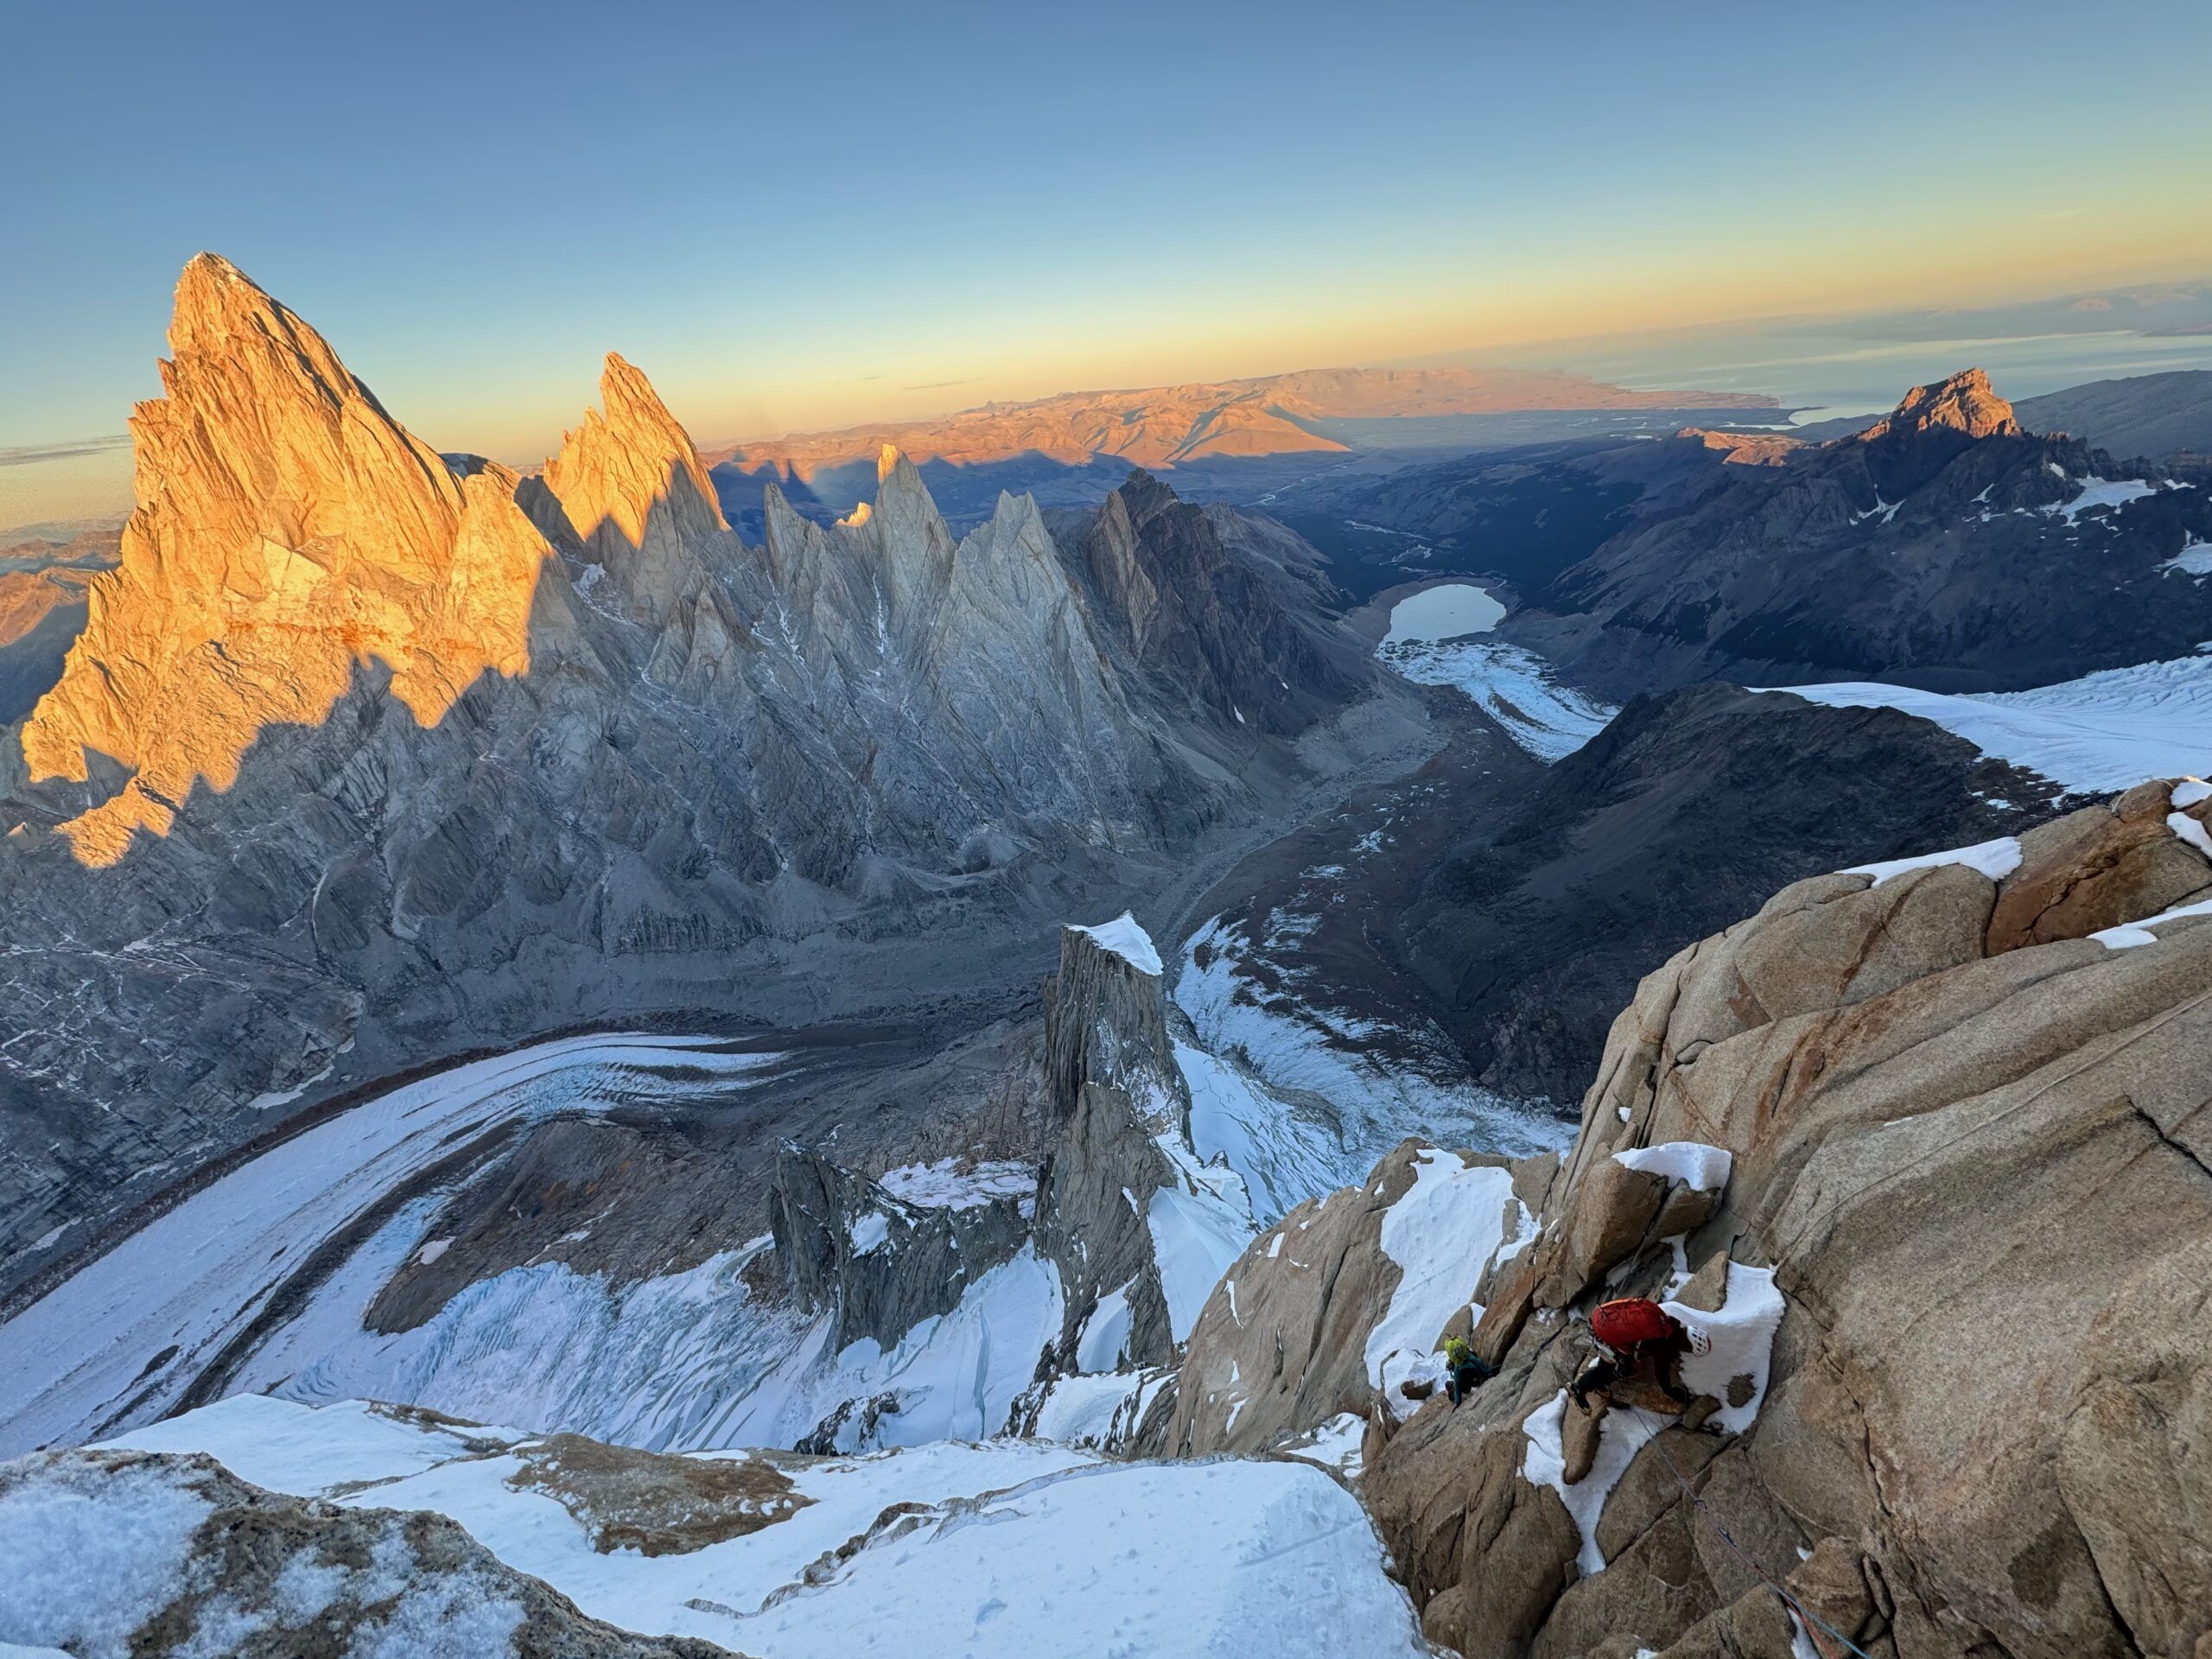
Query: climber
{"points": [[1462, 1370], [1640, 1356]]}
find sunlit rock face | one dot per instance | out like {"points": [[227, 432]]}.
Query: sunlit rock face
{"points": [[630, 486], [1965, 402], [369, 755], [287, 529]]}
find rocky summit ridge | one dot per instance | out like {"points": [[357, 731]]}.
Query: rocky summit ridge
{"points": [[1922, 1149]]}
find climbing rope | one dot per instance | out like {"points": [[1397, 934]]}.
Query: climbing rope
{"points": [[1802, 1611]]}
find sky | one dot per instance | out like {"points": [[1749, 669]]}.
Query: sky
{"points": [[795, 216]]}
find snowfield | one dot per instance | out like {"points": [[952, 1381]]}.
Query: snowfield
{"points": [[2101, 733], [1019, 1548], [1995, 859]]}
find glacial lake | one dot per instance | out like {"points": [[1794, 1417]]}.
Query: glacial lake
{"points": [[1443, 612]]}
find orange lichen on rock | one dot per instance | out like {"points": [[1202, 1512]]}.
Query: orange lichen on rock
{"points": [[286, 529]]}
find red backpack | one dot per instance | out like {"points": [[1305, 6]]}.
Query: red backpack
{"points": [[1622, 1325]]}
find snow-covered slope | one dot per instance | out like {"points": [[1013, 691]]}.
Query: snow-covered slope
{"points": [[2102, 732], [120, 1340], [1013, 1548]]}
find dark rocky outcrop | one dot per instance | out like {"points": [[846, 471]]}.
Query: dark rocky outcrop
{"points": [[1512, 907], [619, 1200], [1193, 615], [881, 1265], [1116, 1088], [1679, 815], [1106, 1023]]}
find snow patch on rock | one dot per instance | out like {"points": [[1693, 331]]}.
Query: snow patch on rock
{"points": [[90, 1555], [1995, 859], [2129, 935], [949, 1185], [2102, 492], [871, 1232], [1544, 1464], [1740, 1343], [2195, 559], [1443, 1232], [2190, 831], [1696, 1165], [1127, 940]]}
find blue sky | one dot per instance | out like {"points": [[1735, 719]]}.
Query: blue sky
{"points": [[799, 217]]}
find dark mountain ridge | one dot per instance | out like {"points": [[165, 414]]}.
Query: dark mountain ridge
{"points": [[1944, 548]]}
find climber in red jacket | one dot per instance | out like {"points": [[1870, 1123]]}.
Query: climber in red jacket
{"points": [[1641, 1352]]}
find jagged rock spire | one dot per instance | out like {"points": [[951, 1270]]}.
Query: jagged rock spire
{"points": [[628, 456], [633, 486], [287, 530]]}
